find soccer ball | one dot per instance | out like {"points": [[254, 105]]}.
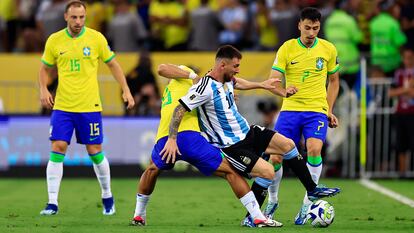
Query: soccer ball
{"points": [[320, 214]]}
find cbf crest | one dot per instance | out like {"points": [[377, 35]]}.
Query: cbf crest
{"points": [[319, 63], [86, 51]]}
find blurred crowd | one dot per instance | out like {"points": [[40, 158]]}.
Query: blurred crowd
{"points": [[203, 25]]}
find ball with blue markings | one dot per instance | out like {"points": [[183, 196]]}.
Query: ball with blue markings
{"points": [[321, 214]]}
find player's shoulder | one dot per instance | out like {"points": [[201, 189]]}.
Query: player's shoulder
{"points": [[206, 83], [289, 43], [57, 35], [326, 44], [93, 32]]}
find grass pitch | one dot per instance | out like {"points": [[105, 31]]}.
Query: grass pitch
{"points": [[193, 205]]}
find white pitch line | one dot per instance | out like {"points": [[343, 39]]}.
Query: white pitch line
{"points": [[387, 192]]}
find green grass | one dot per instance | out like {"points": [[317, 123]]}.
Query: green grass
{"points": [[190, 205]]}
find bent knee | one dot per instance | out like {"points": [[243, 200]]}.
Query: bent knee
{"points": [[267, 172]]}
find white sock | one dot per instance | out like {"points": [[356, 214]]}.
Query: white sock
{"points": [[250, 203], [141, 206], [54, 173], [103, 174], [316, 174], [274, 187]]}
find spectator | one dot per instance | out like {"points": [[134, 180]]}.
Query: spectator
{"points": [[96, 15], [233, 17], [407, 21], [204, 28], [386, 39], [143, 86], [342, 30], [285, 17], [27, 24], [157, 11], [176, 26], [403, 88], [267, 31], [9, 19], [126, 31]]}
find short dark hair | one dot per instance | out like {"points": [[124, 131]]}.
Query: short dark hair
{"points": [[75, 3], [310, 13], [229, 52]]}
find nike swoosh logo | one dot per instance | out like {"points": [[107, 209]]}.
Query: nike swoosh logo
{"points": [[92, 139], [316, 133], [61, 53], [293, 62]]}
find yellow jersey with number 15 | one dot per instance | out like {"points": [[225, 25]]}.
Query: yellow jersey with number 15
{"points": [[176, 89], [307, 69], [77, 61]]}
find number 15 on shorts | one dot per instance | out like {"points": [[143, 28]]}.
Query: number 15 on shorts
{"points": [[94, 129]]}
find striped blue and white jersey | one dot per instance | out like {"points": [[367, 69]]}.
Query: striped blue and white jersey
{"points": [[219, 118]]}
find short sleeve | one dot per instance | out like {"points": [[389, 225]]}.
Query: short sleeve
{"points": [[48, 57], [105, 53], [280, 61], [198, 94], [333, 63]]}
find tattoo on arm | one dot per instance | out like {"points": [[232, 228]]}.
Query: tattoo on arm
{"points": [[175, 121]]}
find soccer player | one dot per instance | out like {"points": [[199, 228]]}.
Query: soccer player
{"points": [[305, 63], [75, 51], [227, 129], [194, 149]]}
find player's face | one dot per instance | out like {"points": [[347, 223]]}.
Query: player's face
{"points": [[75, 17], [231, 68], [309, 31]]}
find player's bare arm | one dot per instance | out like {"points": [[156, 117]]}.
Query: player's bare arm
{"points": [[172, 71], [332, 93], [243, 84], [171, 149], [117, 72], [45, 97], [279, 90]]}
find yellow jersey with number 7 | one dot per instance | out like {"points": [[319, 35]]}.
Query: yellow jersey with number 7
{"points": [[77, 60], [176, 89], [307, 69]]}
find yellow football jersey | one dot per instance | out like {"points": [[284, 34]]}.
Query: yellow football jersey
{"points": [[176, 89], [307, 69], [77, 62]]}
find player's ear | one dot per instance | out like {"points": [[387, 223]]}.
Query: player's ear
{"points": [[299, 25]]}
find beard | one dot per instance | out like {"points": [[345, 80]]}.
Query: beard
{"points": [[227, 77]]}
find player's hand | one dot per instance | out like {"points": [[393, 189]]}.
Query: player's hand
{"points": [[170, 151], [46, 99], [127, 97], [270, 83], [291, 91], [333, 121]]}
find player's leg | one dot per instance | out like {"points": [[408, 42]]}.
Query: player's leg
{"points": [[89, 131], [61, 130], [296, 162], [242, 191], [289, 126], [147, 182], [245, 159], [273, 190], [103, 174], [314, 132], [145, 188], [209, 160]]}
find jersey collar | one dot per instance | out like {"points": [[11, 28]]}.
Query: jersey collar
{"points": [[80, 34], [313, 46]]}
